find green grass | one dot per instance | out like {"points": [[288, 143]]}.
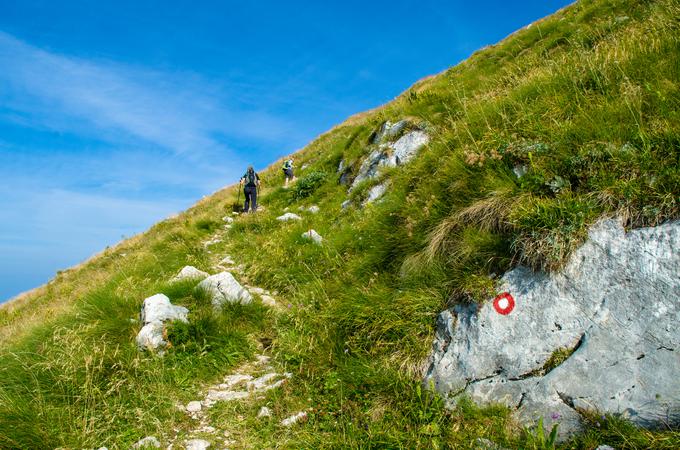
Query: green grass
{"points": [[586, 103]]}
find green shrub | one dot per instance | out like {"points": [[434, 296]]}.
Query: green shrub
{"points": [[307, 185]]}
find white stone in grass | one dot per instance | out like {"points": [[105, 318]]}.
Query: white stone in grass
{"points": [[268, 300], [227, 261], [147, 442], [375, 193], [288, 216], [314, 209], [212, 241], [193, 407], [228, 219], [150, 337], [190, 273], [158, 308], [295, 418], [346, 204], [196, 444], [407, 147], [313, 236], [223, 288], [264, 412], [257, 290]]}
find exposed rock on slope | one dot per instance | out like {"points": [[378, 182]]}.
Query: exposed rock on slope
{"points": [[615, 305], [223, 288], [157, 310]]}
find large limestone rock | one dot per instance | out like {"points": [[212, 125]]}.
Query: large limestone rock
{"points": [[369, 168], [157, 310], [388, 130], [615, 305], [223, 288], [190, 273]]}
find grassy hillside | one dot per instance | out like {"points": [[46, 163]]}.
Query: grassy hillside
{"points": [[586, 101]]}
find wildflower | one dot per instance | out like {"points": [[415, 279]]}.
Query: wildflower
{"points": [[555, 415]]}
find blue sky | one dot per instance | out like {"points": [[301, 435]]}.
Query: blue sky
{"points": [[114, 115]]}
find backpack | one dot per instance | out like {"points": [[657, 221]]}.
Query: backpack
{"points": [[287, 165], [251, 177]]}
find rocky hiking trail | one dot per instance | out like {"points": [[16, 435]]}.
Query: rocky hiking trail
{"points": [[248, 383]]}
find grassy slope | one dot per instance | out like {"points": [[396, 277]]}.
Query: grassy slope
{"points": [[588, 100]]}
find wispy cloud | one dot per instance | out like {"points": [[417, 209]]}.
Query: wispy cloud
{"points": [[176, 111]]}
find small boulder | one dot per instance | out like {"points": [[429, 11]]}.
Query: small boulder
{"points": [[227, 261], [196, 444], [288, 216], [407, 147], [223, 288], [193, 407], [313, 236], [295, 418], [264, 412], [158, 308], [268, 301], [147, 442], [314, 209], [190, 273], [151, 336], [228, 219]]}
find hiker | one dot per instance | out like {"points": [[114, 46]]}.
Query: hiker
{"points": [[250, 182], [288, 171]]}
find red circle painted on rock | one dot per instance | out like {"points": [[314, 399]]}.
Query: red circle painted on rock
{"points": [[504, 303]]}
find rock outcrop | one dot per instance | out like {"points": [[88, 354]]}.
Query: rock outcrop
{"points": [[599, 335], [375, 193], [190, 273], [223, 288], [389, 154], [157, 310]]}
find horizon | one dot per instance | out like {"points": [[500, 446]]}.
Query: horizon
{"points": [[116, 116]]}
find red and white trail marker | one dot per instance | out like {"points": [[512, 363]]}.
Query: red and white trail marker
{"points": [[504, 303]]}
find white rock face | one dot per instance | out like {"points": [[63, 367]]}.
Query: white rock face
{"points": [[157, 310], [388, 130], [375, 193], [369, 168], [407, 147], [196, 444], [312, 235], [615, 304], [190, 273], [147, 442], [288, 216], [223, 288]]}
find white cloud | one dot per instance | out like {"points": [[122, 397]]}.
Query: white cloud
{"points": [[176, 111]]}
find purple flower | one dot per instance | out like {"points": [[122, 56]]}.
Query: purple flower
{"points": [[289, 305], [555, 416]]}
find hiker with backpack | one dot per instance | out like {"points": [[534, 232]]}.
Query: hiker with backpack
{"points": [[288, 171], [250, 182]]}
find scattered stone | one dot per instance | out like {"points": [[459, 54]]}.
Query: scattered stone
{"points": [[486, 444], [235, 213], [190, 273], [207, 429], [264, 412], [313, 236], [228, 227], [346, 204], [196, 444], [268, 300], [156, 310], [288, 216], [520, 170], [212, 241], [223, 288], [612, 313], [228, 219], [193, 407], [227, 261], [375, 193], [257, 290], [314, 209], [147, 442], [295, 418]]}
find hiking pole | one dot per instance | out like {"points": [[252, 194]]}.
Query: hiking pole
{"points": [[238, 200]]}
